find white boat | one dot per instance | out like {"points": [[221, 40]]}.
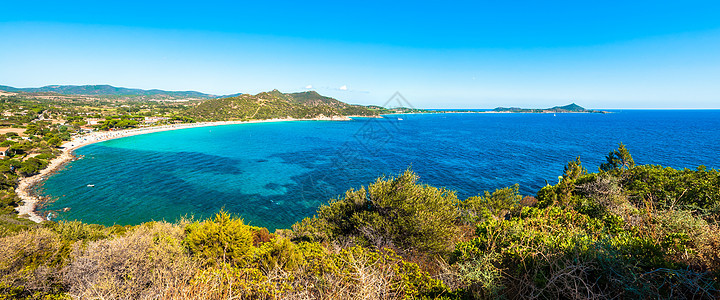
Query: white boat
{"points": [[400, 119], [91, 185]]}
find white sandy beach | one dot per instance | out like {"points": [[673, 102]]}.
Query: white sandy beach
{"points": [[25, 186]]}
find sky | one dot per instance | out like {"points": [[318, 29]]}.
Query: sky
{"points": [[449, 54]]}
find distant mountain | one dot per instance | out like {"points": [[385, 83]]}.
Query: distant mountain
{"points": [[570, 107], [275, 104], [574, 108], [108, 90]]}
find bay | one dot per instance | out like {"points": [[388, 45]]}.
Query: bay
{"points": [[275, 174]]}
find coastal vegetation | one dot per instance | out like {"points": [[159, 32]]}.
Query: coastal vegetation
{"points": [[275, 104], [625, 231]]}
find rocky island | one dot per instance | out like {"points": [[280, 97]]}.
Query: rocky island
{"points": [[570, 108]]}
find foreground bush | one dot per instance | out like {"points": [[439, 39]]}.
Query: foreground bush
{"points": [[221, 240], [397, 213]]}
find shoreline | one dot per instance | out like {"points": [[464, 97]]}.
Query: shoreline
{"points": [[30, 200]]}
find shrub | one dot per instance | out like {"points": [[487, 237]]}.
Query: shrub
{"points": [[497, 205], [143, 264], [76, 230], [278, 253], [397, 212], [668, 188], [224, 239], [30, 263]]}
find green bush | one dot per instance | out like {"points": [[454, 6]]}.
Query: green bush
{"points": [[669, 188], [397, 212], [32, 166], [225, 239], [278, 253], [497, 205]]}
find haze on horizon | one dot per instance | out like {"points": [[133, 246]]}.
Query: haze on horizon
{"points": [[480, 54]]}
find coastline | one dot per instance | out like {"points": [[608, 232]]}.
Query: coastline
{"points": [[30, 200]]}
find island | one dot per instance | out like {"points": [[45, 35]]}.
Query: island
{"points": [[570, 108]]}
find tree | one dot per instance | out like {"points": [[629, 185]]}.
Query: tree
{"points": [[618, 160], [562, 192], [31, 166], [55, 141]]}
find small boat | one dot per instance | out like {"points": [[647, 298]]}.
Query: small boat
{"points": [[400, 119], [90, 185]]}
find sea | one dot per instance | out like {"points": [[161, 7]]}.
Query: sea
{"points": [[275, 174]]}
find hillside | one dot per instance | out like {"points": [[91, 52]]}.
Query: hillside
{"points": [[570, 108], [274, 104], [108, 90]]}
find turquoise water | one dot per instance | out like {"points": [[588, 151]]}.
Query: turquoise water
{"points": [[274, 174]]}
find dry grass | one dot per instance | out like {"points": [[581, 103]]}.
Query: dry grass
{"points": [[357, 277], [31, 259], [19, 131], [143, 264]]}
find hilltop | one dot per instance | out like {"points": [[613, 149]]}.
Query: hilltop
{"points": [[275, 104], [570, 108], [106, 111]]}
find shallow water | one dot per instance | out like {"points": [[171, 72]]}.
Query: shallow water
{"points": [[274, 174]]}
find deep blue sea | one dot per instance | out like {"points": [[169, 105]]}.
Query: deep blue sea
{"points": [[275, 174]]}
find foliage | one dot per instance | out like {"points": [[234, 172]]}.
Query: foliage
{"points": [[222, 240], [117, 124], [397, 212], [496, 205], [30, 263], [275, 104], [562, 193], [32, 166], [618, 159], [670, 188], [141, 264]]}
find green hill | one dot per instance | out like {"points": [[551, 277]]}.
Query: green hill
{"points": [[275, 104], [570, 107], [108, 90]]}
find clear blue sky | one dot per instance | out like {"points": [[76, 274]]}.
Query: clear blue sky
{"points": [[479, 54]]}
